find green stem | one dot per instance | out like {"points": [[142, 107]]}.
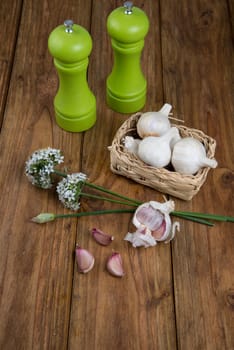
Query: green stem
{"points": [[98, 212], [192, 218], [59, 173], [107, 199], [102, 189], [205, 216]]}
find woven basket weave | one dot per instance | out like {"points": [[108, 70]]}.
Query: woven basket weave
{"points": [[164, 180]]}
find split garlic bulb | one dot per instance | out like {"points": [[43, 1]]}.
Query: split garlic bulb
{"points": [[189, 156], [154, 123], [156, 151], [153, 224]]}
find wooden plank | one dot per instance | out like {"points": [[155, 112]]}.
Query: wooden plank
{"points": [[36, 261], [9, 20], [231, 13], [135, 312], [198, 80]]}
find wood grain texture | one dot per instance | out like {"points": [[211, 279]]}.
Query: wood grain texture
{"points": [[197, 62], [231, 12], [9, 18], [176, 296], [135, 312], [37, 261]]}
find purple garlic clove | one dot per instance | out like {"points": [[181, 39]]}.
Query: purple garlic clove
{"points": [[114, 265], [84, 260], [101, 237]]}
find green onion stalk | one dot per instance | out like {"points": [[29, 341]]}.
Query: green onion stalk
{"points": [[42, 164], [201, 218]]}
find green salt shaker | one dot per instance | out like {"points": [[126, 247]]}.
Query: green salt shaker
{"points": [[126, 85], [74, 103]]}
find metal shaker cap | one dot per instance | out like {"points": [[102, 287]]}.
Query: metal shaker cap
{"points": [[128, 6]]}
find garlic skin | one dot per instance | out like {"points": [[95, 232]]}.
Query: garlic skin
{"points": [[153, 224], [154, 123], [156, 151], [189, 156], [131, 144], [114, 265], [101, 237], [84, 260], [141, 238]]}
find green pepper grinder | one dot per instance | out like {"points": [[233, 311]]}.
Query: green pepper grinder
{"points": [[74, 103], [126, 85]]}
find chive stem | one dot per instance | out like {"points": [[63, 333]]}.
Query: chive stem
{"points": [[205, 216], [103, 189], [88, 195], [59, 173], [192, 218], [98, 212]]}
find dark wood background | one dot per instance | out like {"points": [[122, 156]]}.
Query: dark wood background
{"points": [[175, 296]]}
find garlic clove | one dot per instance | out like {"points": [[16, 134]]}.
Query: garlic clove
{"points": [[154, 123], [84, 260], [151, 214], [160, 231], [101, 237], [149, 217], [189, 156], [114, 265]]}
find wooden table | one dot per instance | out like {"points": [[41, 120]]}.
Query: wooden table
{"points": [[174, 296]]}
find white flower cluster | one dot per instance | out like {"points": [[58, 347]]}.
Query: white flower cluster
{"points": [[69, 190], [40, 166]]}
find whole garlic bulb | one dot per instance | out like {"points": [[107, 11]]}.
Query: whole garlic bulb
{"points": [[189, 156], [156, 151], [154, 123]]}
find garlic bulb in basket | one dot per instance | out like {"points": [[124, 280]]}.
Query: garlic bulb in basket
{"points": [[153, 224], [154, 123], [131, 144], [156, 151], [189, 156]]}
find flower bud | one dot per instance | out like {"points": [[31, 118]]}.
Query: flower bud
{"points": [[43, 217]]}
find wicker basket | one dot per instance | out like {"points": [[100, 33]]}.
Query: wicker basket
{"points": [[164, 180]]}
